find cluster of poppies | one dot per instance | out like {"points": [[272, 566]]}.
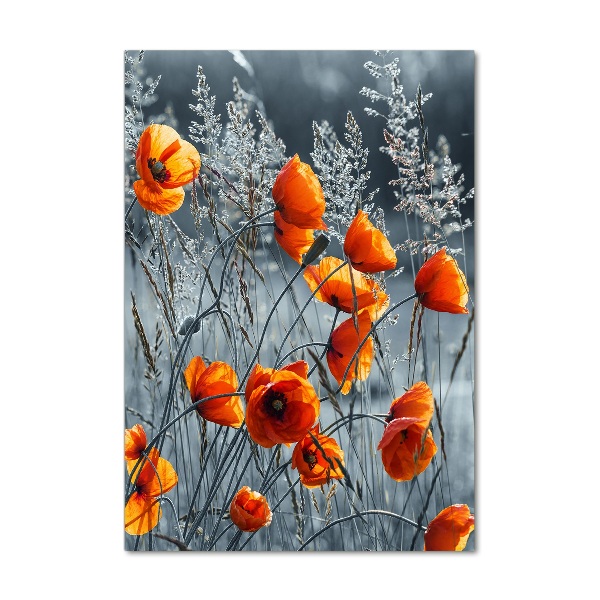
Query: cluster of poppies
{"points": [[151, 476], [281, 405]]}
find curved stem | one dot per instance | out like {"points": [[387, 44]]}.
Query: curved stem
{"points": [[264, 331], [277, 361], [188, 410], [364, 341], [359, 515], [307, 345], [337, 312], [177, 365]]}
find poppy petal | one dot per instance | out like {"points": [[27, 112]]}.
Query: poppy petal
{"points": [[341, 288], [183, 165], [156, 199], [343, 344], [367, 248], [314, 467], [142, 514], [395, 427], [165, 479], [450, 529], [135, 442], [408, 453], [416, 402], [441, 285], [298, 195], [249, 510], [293, 240], [193, 372]]}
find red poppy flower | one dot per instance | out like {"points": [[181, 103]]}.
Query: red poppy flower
{"points": [[164, 163], [156, 477], [407, 445], [337, 290], [135, 442], [342, 346], [450, 530], [441, 285], [298, 195], [217, 378], [367, 248], [314, 467], [281, 405], [292, 239], [249, 510]]}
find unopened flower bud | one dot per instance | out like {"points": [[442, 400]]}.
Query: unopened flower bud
{"points": [[187, 323], [318, 247]]}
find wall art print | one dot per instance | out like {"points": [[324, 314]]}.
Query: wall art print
{"points": [[299, 301]]}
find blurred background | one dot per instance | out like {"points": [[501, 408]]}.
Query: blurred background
{"points": [[299, 87]]}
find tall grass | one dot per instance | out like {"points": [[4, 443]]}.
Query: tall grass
{"points": [[223, 289]]}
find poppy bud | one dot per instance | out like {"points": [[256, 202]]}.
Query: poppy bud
{"points": [[318, 247], [187, 324], [249, 510]]}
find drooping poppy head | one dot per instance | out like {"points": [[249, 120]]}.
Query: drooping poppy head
{"points": [[293, 240], [450, 530], [407, 445], [441, 285], [164, 163], [416, 403], [135, 442], [342, 346], [217, 378], [156, 477], [407, 448], [317, 464], [281, 405], [249, 510], [298, 195], [366, 247], [337, 289]]}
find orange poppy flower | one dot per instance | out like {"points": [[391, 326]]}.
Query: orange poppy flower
{"points": [[156, 477], [262, 376], [135, 442], [164, 163], [417, 403], [450, 530], [292, 239], [281, 404], [337, 290], [342, 346], [441, 285], [367, 248], [249, 510], [298, 195], [314, 467], [407, 445], [217, 378]]}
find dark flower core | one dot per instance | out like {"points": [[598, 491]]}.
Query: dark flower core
{"points": [[158, 170], [310, 458], [275, 403]]}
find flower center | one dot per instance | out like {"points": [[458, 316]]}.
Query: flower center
{"points": [[158, 170], [310, 458], [275, 403]]}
